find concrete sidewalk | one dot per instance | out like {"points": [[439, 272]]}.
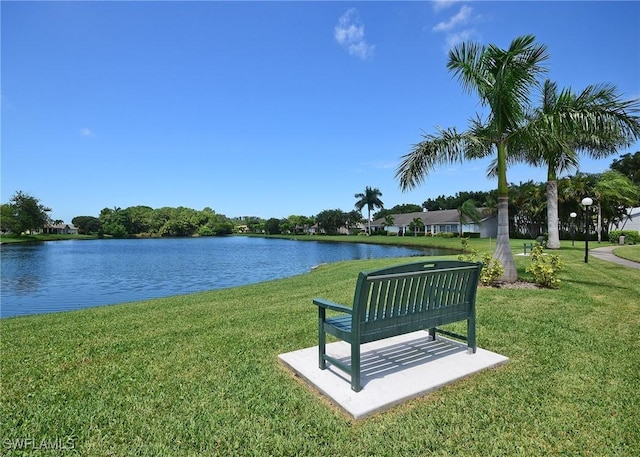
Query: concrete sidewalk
{"points": [[606, 253], [394, 370]]}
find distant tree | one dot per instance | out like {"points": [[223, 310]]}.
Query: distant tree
{"points": [[254, 224], [405, 208], [25, 213], [353, 219], [613, 192], [286, 225], [483, 199], [113, 222], [8, 222], [628, 165], [272, 226], [87, 224], [214, 224], [468, 210], [331, 220], [295, 224], [436, 204], [388, 221], [371, 199], [416, 225], [138, 219], [527, 206]]}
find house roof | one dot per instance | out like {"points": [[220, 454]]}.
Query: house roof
{"points": [[61, 226], [446, 216]]}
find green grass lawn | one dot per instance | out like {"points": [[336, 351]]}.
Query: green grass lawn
{"points": [[48, 237], [628, 252], [199, 375]]}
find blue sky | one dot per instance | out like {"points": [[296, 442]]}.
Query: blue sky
{"points": [[266, 108]]}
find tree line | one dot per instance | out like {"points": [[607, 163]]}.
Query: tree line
{"points": [[613, 192]]}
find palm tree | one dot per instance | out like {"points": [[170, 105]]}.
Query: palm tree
{"points": [[502, 80], [595, 122], [388, 221], [467, 211], [371, 199], [417, 225], [616, 191]]}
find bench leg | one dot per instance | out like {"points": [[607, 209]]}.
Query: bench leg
{"points": [[355, 367], [471, 336], [322, 363]]}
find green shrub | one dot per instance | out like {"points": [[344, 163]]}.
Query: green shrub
{"points": [[544, 268], [492, 269], [468, 253], [630, 236]]}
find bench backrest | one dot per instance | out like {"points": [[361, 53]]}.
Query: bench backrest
{"points": [[438, 291]]}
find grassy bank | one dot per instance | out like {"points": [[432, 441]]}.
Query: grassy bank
{"points": [[628, 252], [198, 374], [38, 238]]}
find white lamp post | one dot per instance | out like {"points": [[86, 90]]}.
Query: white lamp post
{"points": [[573, 228], [586, 202]]}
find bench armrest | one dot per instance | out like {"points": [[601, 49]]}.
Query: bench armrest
{"points": [[322, 303]]}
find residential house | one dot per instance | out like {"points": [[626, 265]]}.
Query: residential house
{"points": [[60, 229], [359, 228], [444, 221]]}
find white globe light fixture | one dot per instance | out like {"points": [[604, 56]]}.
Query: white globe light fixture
{"points": [[573, 228], [586, 202]]}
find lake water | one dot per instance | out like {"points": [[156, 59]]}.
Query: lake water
{"points": [[73, 274]]}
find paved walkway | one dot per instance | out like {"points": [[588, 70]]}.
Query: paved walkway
{"points": [[606, 253]]}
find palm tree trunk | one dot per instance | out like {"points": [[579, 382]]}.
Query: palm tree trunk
{"points": [[503, 248], [553, 241], [369, 221]]}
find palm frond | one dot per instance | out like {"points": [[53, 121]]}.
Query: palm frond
{"points": [[466, 63], [448, 146]]}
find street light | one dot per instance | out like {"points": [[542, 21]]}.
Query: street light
{"points": [[586, 202], [573, 228]]}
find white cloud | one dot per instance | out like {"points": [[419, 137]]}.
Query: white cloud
{"points": [[440, 5], [86, 132], [454, 39], [454, 28], [459, 19], [349, 33]]}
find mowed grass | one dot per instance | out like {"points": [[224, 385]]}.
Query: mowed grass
{"points": [[199, 375], [631, 252]]}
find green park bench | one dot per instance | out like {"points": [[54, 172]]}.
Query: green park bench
{"points": [[528, 245], [397, 300]]}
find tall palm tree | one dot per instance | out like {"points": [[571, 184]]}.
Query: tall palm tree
{"points": [[502, 79], [371, 199], [596, 121]]}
